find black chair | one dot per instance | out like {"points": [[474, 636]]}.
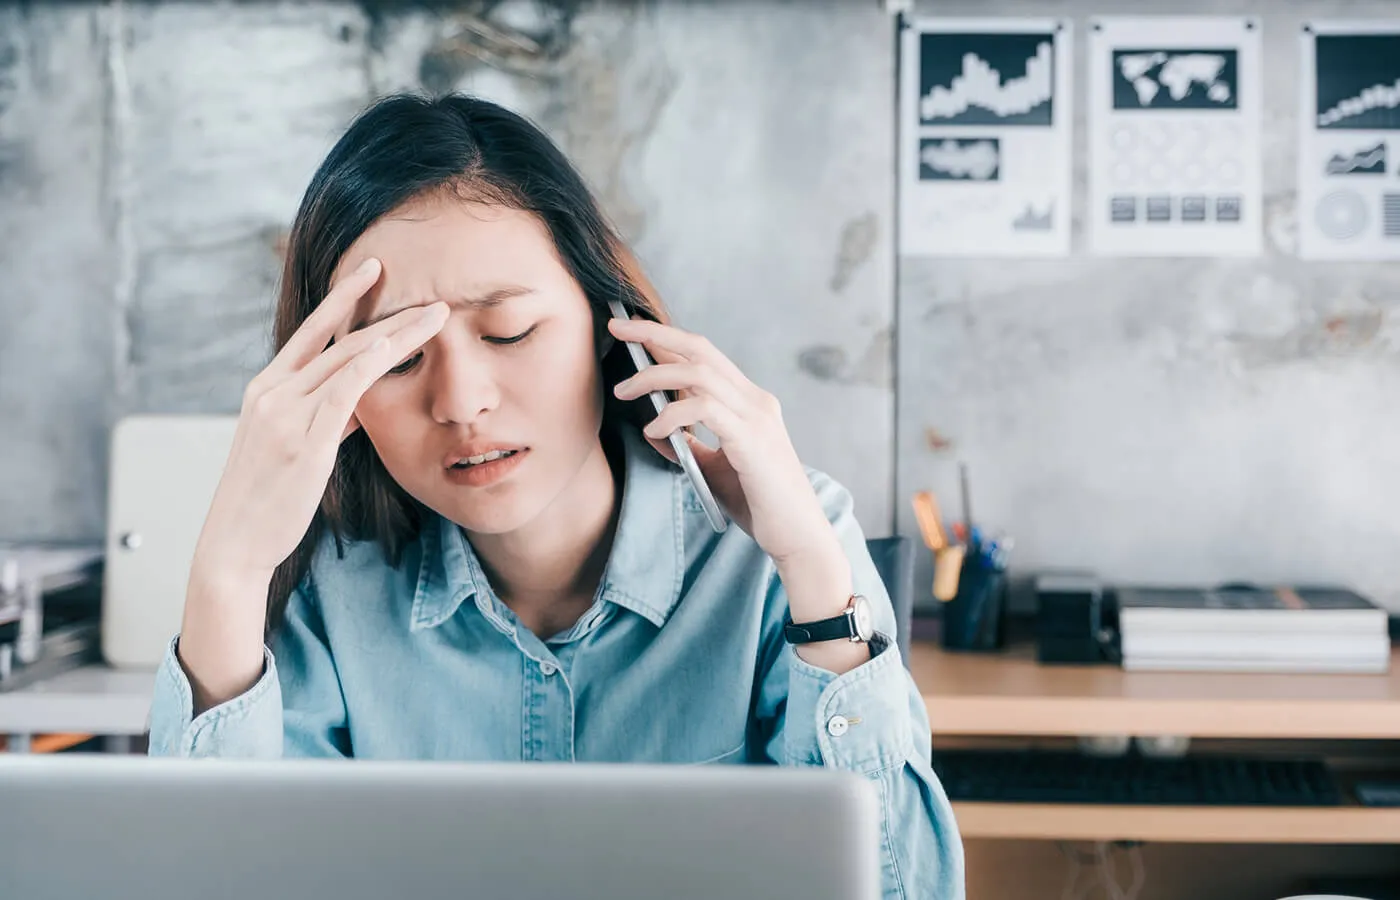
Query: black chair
{"points": [[894, 560]]}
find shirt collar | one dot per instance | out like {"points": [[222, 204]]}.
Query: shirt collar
{"points": [[644, 569]]}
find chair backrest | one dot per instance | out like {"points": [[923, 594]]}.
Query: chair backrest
{"points": [[894, 560]]}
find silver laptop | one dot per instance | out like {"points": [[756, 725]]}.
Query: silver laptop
{"points": [[160, 829]]}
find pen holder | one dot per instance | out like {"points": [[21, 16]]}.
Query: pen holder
{"points": [[973, 619]]}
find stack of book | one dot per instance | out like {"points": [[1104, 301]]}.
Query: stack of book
{"points": [[1249, 629]]}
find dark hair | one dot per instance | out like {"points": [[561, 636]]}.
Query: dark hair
{"points": [[401, 148]]}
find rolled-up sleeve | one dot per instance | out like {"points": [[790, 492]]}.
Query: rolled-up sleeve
{"points": [[249, 725], [871, 721], [259, 723]]}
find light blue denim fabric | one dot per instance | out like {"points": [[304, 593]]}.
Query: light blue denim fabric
{"points": [[681, 659]]}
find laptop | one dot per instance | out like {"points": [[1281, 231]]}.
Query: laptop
{"points": [[162, 829], [163, 473]]}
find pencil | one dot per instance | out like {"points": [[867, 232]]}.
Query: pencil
{"points": [[930, 522]]}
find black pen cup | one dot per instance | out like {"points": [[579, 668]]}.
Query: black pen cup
{"points": [[974, 619]]}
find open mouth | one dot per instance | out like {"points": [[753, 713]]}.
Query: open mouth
{"points": [[493, 456]]}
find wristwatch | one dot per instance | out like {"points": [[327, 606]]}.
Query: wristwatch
{"points": [[853, 624]]}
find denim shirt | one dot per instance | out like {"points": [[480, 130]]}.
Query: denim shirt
{"points": [[681, 659]]}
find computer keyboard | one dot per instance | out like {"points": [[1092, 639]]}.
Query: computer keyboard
{"points": [[1044, 776]]}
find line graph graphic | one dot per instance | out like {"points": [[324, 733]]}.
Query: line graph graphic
{"points": [[986, 79], [1366, 161], [1358, 81], [1034, 219]]}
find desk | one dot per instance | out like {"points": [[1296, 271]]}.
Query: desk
{"points": [[1009, 694], [97, 699]]}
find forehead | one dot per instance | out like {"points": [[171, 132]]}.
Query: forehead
{"points": [[443, 232], [442, 248]]}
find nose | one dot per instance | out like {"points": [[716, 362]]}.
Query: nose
{"points": [[462, 382]]}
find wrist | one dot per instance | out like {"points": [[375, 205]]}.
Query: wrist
{"points": [[817, 582], [221, 578], [822, 553]]}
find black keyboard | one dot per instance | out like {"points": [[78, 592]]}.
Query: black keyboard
{"points": [[1042, 776]]}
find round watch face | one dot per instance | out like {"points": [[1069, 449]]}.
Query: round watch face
{"points": [[861, 618]]}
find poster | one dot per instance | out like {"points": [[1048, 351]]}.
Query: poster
{"points": [[1349, 145], [1174, 136], [985, 138]]}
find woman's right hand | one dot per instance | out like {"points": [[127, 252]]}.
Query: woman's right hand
{"points": [[295, 414]]}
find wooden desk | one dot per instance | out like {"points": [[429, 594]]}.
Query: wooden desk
{"points": [[1009, 694]]}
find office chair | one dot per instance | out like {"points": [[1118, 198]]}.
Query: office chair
{"points": [[894, 560]]}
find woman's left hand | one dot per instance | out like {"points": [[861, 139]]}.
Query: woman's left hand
{"points": [[755, 473]]}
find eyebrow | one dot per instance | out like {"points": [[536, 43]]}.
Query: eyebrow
{"points": [[488, 300]]}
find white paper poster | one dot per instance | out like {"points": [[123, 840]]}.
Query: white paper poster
{"points": [[1349, 145], [1174, 136], [985, 138]]}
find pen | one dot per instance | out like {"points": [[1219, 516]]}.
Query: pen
{"points": [[966, 504]]}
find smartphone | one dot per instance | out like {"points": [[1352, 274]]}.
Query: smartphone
{"points": [[677, 438]]}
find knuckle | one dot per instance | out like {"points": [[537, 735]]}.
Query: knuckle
{"points": [[286, 442], [339, 401], [251, 392], [260, 404]]}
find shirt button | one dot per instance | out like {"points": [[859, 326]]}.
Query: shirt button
{"points": [[547, 668], [837, 725]]}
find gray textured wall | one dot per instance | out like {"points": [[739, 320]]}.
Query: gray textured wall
{"points": [[1168, 420], [1163, 420], [152, 154]]}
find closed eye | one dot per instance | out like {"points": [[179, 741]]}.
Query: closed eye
{"points": [[405, 366], [515, 339]]}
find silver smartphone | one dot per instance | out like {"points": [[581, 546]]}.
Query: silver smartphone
{"points": [[678, 443]]}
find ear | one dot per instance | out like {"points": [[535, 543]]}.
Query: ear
{"points": [[603, 340]]}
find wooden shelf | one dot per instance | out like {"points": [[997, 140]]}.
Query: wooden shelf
{"points": [[1009, 693], [1179, 824]]}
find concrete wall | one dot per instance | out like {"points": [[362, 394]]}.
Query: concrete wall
{"points": [[152, 155], [1162, 420]]}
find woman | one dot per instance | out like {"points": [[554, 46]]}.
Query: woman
{"points": [[445, 529]]}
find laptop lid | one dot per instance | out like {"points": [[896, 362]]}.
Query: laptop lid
{"points": [[163, 472], [162, 829]]}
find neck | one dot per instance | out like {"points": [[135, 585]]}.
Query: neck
{"points": [[559, 557]]}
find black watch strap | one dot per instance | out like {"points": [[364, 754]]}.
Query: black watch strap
{"points": [[835, 628]]}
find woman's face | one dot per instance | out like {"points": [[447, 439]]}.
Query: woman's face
{"points": [[513, 371]]}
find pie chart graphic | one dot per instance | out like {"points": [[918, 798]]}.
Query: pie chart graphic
{"points": [[1341, 215]]}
